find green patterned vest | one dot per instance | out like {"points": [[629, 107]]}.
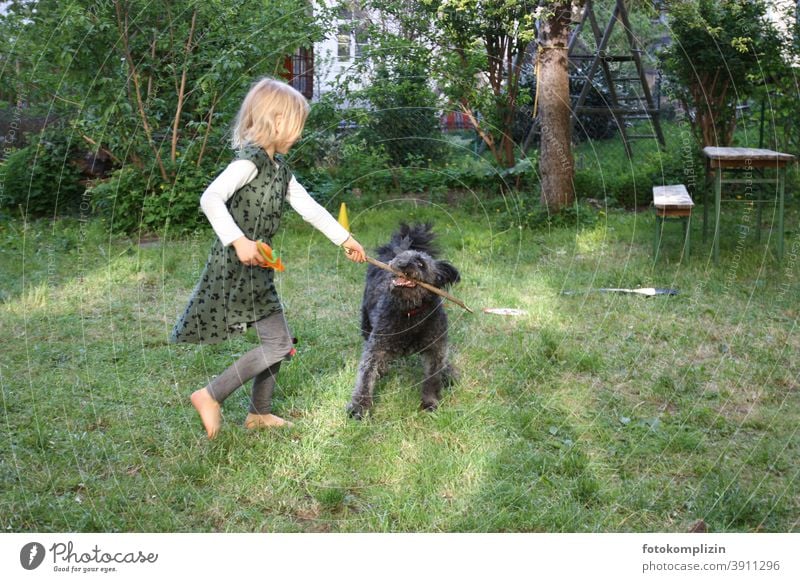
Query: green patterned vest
{"points": [[231, 295]]}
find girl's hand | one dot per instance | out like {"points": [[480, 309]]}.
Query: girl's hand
{"points": [[247, 251], [354, 251]]}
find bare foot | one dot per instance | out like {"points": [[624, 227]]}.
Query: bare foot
{"points": [[209, 410], [264, 421]]}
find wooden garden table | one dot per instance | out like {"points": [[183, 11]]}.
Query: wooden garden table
{"points": [[720, 159]]}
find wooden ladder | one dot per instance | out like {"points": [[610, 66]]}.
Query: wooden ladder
{"points": [[620, 108]]}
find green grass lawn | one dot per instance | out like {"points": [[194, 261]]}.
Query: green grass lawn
{"points": [[592, 412]]}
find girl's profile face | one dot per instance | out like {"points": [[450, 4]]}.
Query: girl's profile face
{"points": [[285, 143], [284, 147]]}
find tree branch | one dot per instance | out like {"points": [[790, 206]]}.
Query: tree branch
{"points": [[487, 138], [122, 23], [182, 89], [106, 151], [208, 130], [152, 60]]}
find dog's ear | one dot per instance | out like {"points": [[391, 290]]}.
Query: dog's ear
{"points": [[446, 274]]}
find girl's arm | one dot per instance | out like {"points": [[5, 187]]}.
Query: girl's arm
{"points": [[237, 174], [315, 214], [321, 219]]}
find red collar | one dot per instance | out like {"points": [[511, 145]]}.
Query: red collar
{"points": [[414, 312]]}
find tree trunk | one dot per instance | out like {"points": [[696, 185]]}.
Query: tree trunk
{"points": [[555, 159]]}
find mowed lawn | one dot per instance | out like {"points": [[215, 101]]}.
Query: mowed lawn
{"points": [[591, 412]]}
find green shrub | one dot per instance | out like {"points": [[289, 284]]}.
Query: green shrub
{"points": [[42, 178], [616, 179], [368, 170], [527, 211], [321, 143], [364, 168], [403, 117], [613, 188], [119, 197], [139, 200]]}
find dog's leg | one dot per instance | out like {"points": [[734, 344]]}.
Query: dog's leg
{"points": [[366, 325], [434, 360], [373, 363], [449, 375]]}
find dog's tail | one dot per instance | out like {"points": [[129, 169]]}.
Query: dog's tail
{"points": [[417, 237]]}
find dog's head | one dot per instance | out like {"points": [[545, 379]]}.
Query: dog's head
{"points": [[422, 267]]}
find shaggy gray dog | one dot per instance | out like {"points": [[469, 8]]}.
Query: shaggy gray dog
{"points": [[401, 318]]}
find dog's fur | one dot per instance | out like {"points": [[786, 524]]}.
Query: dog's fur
{"points": [[400, 318]]}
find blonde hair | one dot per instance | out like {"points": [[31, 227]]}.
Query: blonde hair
{"points": [[272, 114]]}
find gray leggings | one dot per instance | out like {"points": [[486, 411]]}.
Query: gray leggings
{"points": [[261, 364]]}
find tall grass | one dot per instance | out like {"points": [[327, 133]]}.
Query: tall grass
{"points": [[591, 412]]}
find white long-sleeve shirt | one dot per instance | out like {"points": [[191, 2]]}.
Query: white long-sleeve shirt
{"points": [[240, 172]]}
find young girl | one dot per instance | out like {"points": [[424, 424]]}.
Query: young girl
{"points": [[244, 204]]}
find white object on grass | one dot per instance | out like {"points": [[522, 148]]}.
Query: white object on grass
{"points": [[504, 311]]}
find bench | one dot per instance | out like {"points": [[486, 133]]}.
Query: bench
{"points": [[672, 203]]}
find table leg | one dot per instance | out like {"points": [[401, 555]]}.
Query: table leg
{"points": [[781, 188], [705, 207], [687, 225], [717, 203], [657, 240], [759, 213]]}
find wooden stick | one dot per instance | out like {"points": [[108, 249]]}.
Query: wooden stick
{"points": [[422, 284]]}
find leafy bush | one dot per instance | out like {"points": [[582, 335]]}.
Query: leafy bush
{"points": [[42, 178], [139, 200], [321, 141], [119, 198], [721, 53], [402, 114], [527, 211], [331, 156], [616, 179], [367, 171], [363, 167]]}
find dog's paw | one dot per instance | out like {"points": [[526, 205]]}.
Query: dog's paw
{"points": [[356, 411], [429, 405]]}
